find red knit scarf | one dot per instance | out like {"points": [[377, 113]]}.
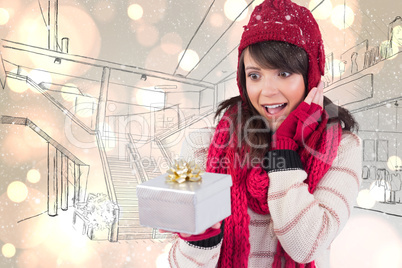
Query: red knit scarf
{"points": [[250, 186]]}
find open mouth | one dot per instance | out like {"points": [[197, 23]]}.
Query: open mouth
{"points": [[274, 109]]}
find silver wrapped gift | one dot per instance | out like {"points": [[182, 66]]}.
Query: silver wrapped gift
{"points": [[189, 207]]}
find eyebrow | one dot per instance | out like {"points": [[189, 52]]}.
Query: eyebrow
{"points": [[252, 68]]}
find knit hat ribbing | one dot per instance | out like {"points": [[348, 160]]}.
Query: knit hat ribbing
{"points": [[283, 20]]}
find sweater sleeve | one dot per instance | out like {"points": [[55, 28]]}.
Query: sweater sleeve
{"points": [[305, 223], [204, 253], [183, 254]]}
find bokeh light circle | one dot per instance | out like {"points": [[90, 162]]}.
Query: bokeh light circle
{"points": [[394, 163], [323, 11], [147, 35], [8, 250], [171, 43], [33, 176], [135, 12], [216, 20], [372, 240], [342, 17], [4, 16], [365, 199], [17, 85], [42, 78], [257, 2], [189, 60], [17, 191], [233, 8]]}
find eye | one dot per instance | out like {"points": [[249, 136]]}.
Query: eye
{"points": [[285, 74], [253, 76]]}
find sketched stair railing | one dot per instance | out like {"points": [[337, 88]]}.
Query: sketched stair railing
{"points": [[113, 231], [142, 172], [60, 160], [125, 179], [181, 125], [43, 90]]}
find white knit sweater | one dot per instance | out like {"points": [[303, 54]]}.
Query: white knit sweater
{"points": [[305, 223]]}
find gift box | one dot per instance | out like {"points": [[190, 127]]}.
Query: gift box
{"points": [[189, 207]]}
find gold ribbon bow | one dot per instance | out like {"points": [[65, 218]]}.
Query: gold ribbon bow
{"points": [[182, 171]]}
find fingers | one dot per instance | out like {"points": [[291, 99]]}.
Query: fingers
{"points": [[319, 96], [311, 95], [186, 235], [316, 95], [216, 225]]}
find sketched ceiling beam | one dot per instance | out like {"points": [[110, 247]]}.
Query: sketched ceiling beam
{"points": [[219, 38], [195, 33], [224, 58], [319, 4], [103, 63]]}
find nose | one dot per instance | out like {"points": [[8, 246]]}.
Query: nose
{"points": [[270, 86]]}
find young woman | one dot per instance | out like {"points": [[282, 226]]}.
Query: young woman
{"points": [[294, 162]]}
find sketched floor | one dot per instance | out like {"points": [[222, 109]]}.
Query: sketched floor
{"points": [[44, 241], [53, 242]]}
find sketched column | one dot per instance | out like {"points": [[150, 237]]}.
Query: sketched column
{"points": [[52, 180], [64, 182], [101, 113]]}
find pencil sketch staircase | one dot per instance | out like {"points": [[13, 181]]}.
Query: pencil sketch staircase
{"points": [[125, 183]]}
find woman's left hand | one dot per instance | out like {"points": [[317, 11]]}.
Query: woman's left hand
{"points": [[301, 122]]}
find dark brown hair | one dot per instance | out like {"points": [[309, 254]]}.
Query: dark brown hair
{"points": [[285, 57]]}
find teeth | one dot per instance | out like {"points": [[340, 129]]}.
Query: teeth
{"points": [[274, 106]]}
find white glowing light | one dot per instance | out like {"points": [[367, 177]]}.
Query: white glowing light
{"points": [[387, 51], [394, 163], [162, 260], [4, 16], [17, 191], [135, 12], [389, 256], [41, 78], [257, 2], [373, 239], [151, 97], [379, 191], [397, 35], [8, 250], [365, 200], [342, 16], [233, 8], [33, 176], [339, 68], [323, 11], [189, 60], [18, 85]]}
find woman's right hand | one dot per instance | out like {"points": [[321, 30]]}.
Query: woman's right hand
{"points": [[301, 122], [214, 230]]}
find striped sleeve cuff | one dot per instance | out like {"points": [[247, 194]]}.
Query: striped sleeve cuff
{"points": [[280, 160], [210, 242]]}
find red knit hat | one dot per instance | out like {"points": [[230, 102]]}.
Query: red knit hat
{"points": [[283, 20]]}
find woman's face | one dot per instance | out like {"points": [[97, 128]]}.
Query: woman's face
{"points": [[273, 93]]}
